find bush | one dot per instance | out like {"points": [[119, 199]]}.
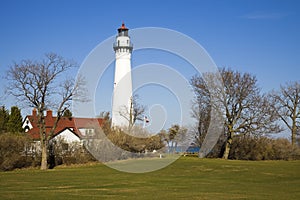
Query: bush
{"points": [[13, 152], [263, 148], [68, 153]]}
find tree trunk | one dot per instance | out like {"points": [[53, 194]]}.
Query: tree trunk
{"points": [[44, 162], [227, 146], [294, 132]]}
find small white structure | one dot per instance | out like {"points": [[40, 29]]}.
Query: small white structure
{"points": [[121, 107]]}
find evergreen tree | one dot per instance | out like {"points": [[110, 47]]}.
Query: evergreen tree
{"points": [[14, 124], [4, 116], [67, 113]]}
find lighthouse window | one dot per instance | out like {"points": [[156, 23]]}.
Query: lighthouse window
{"points": [[118, 42], [127, 41]]}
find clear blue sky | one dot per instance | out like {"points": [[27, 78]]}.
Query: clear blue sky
{"points": [[257, 36]]}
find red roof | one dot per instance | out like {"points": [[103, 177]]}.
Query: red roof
{"points": [[71, 123]]}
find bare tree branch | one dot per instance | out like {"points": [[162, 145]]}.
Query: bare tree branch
{"points": [[134, 114], [286, 105], [40, 84], [246, 111]]}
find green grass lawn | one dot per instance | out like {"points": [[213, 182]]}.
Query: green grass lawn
{"points": [[187, 178]]}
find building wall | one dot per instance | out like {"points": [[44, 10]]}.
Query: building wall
{"points": [[68, 136]]}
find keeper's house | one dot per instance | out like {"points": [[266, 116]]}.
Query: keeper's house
{"points": [[69, 129]]}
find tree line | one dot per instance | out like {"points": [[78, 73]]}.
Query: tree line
{"points": [[246, 111]]}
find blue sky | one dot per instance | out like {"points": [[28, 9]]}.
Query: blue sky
{"points": [[257, 36]]}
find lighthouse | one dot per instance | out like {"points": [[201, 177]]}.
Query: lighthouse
{"points": [[122, 94]]}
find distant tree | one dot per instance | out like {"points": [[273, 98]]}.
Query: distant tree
{"points": [[136, 112], [40, 84], [14, 124], [67, 113], [176, 135], [287, 106], [182, 139], [4, 117], [172, 133], [245, 110], [163, 134]]}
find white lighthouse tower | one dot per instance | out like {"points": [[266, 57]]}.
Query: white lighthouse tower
{"points": [[121, 108]]}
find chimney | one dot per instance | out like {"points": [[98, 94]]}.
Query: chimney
{"points": [[34, 112], [49, 113]]}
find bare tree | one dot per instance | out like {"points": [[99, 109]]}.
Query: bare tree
{"points": [[287, 106], [201, 109], [136, 112], [40, 85], [245, 110]]}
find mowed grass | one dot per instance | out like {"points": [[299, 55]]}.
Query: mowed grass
{"points": [[187, 178]]}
